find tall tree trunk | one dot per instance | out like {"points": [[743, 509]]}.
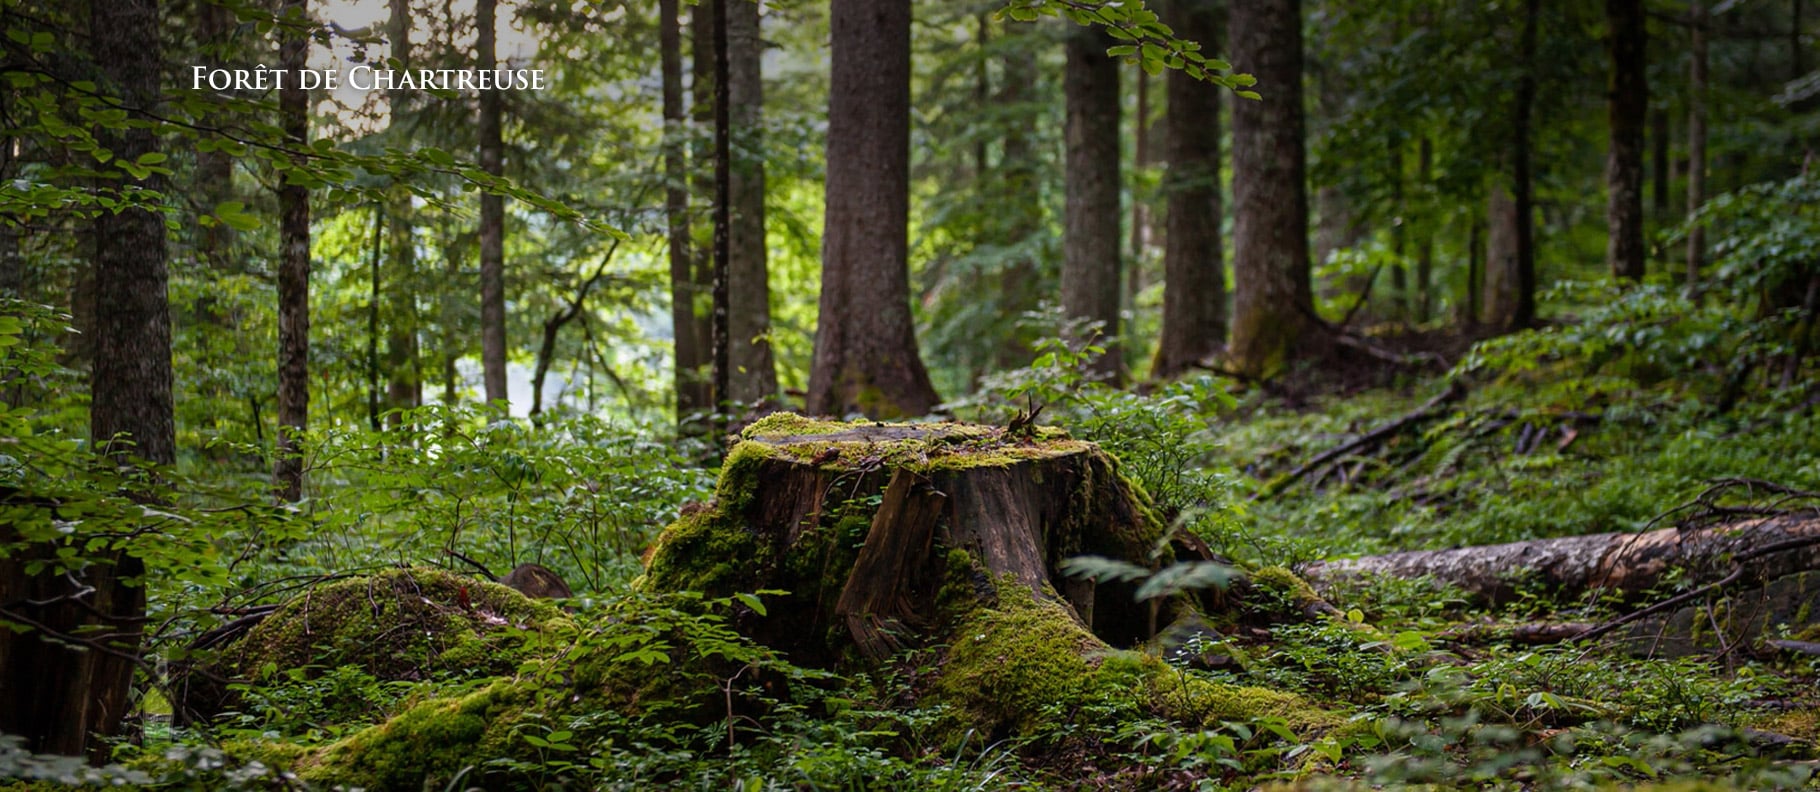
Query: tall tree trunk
{"points": [[1273, 308], [1696, 140], [701, 161], [1399, 235], [492, 215], [1467, 314], [1090, 259], [1629, 104], [1141, 158], [214, 169], [1659, 165], [1425, 256], [1503, 277], [404, 387], [1523, 306], [1194, 277], [690, 397], [753, 370], [723, 216], [293, 266], [866, 358], [1019, 282], [59, 695]]}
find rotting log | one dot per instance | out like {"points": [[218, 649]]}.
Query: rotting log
{"points": [[1626, 564]]}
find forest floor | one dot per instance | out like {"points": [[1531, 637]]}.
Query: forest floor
{"points": [[1425, 684]]}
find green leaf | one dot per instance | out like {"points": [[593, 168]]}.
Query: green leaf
{"points": [[752, 602]]}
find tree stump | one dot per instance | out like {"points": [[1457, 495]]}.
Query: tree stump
{"points": [[858, 521], [948, 538]]}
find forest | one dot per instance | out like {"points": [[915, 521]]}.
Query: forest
{"points": [[875, 394]]}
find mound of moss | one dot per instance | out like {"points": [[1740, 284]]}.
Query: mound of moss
{"points": [[401, 624]]}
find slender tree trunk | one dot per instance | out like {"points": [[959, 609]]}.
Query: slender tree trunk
{"points": [[1399, 235], [1425, 256], [702, 97], [866, 359], [1273, 308], [293, 268], [723, 216], [1503, 276], [1020, 281], [373, 303], [1090, 260], [1468, 315], [1141, 158], [690, 397], [60, 697], [753, 370], [214, 169], [1658, 164], [1523, 312], [1696, 140], [405, 388], [1629, 105], [1194, 277], [492, 215]]}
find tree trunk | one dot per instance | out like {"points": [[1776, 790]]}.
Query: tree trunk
{"points": [[1659, 165], [1141, 159], [866, 358], [492, 215], [405, 382], [1194, 277], [1090, 259], [1522, 181], [753, 371], [1273, 308], [1629, 105], [690, 396], [293, 268], [1696, 141], [1425, 255], [60, 697], [723, 216], [702, 100], [1019, 283], [1503, 279]]}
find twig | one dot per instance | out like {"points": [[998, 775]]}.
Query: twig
{"points": [[1455, 391]]}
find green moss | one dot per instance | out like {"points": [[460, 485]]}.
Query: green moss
{"points": [[786, 424], [1025, 659], [1285, 584], [399, 624], [704, 551], [423, 746]]}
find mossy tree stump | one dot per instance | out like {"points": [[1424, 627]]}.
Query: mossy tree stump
{"points": [[951, 537], [858, 522]]}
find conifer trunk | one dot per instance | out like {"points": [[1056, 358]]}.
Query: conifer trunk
{"points": [[1629, 105], [1194, 277], [492, 214], [1090, 259], [293, 266]]}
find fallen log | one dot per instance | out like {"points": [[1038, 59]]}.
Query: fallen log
{"points": [[1626, 564]]}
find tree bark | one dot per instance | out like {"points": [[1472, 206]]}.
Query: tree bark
{"points": [[1500, 304], [293, 268], [1629, 105], [1696, 140], [866, 358], [690, 395], [753, 369], [1090, 256], [1522, 181], [1625, 564], [1194, 269], [1273, 308], [60, 697], [1425, 255], [404, 388], [492, 214], [702, 100], [723, 217], [1019, 283]]}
